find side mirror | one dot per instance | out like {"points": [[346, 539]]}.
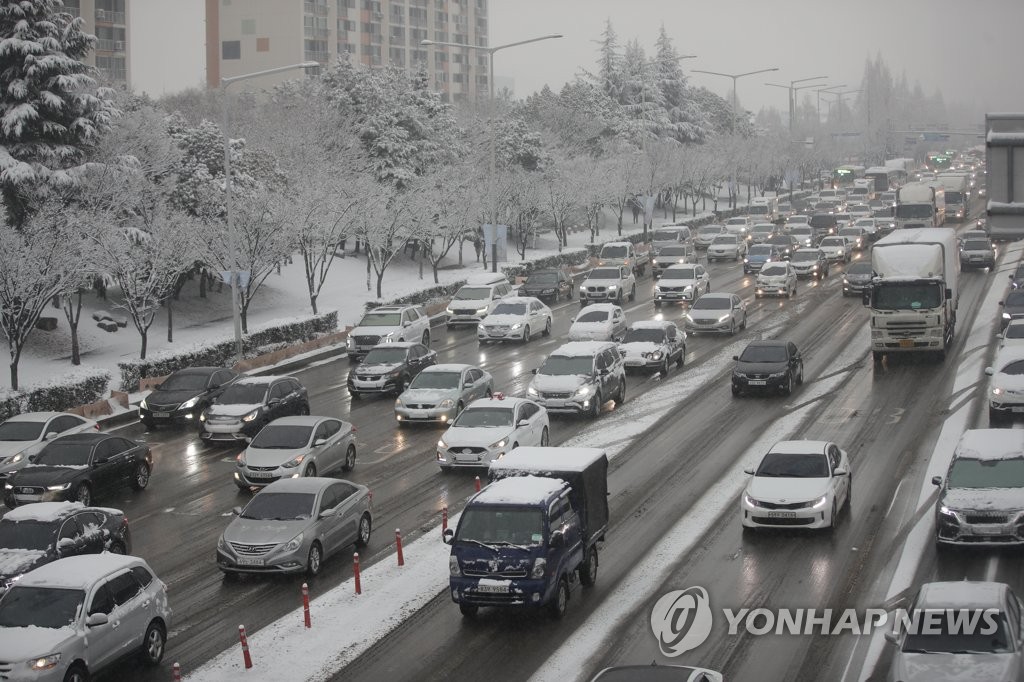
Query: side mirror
{"points": [[448, 536], [273, 402], [32, 458], [557, 540], [749, 471], [237, 511], [533, 371], [949, 294], [736, 358], [318, 442], [50, 435], [936, 480], [840, 472], [989, 371], [100, 460], [523, 422], [214, 387], [96, 619], [328, 513]]}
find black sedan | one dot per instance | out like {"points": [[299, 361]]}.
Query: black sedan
{"points": [[184, 395], [774, 366], [547, 285], [1013, 306], [79, 468], [388, 368], [787, 243], [38, 534]]}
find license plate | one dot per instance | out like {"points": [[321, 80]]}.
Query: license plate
{"points": [[261, 474], [1018, 408], [249, 561], [492, 588], [781, 515], [161, 415], [757, 382], [989, 530], [906, 343]]}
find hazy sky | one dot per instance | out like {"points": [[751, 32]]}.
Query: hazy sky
{"points": [[972, 50], [167, 40]]}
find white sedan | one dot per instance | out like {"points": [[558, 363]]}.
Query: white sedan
{"points": [[598, 322], [798, 484], [25, 434], [727, 246], [488, 429], [836, 249], [515, 319]]}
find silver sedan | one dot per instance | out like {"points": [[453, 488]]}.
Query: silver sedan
{"points": [[290, 447], [292, 525], [440, 392]]}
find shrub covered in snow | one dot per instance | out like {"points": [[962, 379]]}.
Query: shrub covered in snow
{"points": [[64, 392], [434, 294], [558, 260], [221, 352]]}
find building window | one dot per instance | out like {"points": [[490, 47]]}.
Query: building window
{"points": [[441, 18], [419, 57], [440, 59], [481, 6], [373, 5], [441, 36], [417, 35], [263, 44], [460, 38], [398, 33], [248, 27], [456, 77], [397, 56], [346, 4], [346, 25], [231, 49], [417, 15], [397, 14]]}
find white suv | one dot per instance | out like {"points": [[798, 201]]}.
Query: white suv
{"points": [[71, 618], [579, 377], [474, 302], [386, 324]]}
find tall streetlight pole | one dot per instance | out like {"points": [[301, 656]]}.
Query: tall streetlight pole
{"points": [[827, 90], [236, 314], [491, 193], [792, 91], [839, 99]]}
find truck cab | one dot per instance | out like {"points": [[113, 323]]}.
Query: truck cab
{"points": [[624, 253]]}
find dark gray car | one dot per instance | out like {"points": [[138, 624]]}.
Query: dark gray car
{"points": [[857, 278], [1013, 306]]}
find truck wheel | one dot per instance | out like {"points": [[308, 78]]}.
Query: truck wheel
{"points": [[468, 611], [560, 601], [588, 571]]}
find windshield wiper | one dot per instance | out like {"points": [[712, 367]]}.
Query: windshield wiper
{"points": [[477, 542], [525, 548]]}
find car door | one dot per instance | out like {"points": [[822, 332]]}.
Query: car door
{"points": [[103, 643], [839, 483], [105, 469], [471, 387], [125, 453], [131, 607], [610, 383], [674, 340], [528, 434], [564, 284], [349, 511], [277, 401], [331, 528], [70, 541], [795, 361], [618, 324], [91, 531]]}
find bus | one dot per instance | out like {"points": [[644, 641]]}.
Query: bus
{"points": [[886, 179], [938, 161], [845, 175]]}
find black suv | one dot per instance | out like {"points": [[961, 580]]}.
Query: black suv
{"points": [[184, 395], [547, 285], [79, 468], [34, 535], [824, 225], [774, 366], [249, 404], [787, 243], [389, 368]]}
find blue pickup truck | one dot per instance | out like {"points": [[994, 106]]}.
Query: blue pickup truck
{"points": [[530, 537]]}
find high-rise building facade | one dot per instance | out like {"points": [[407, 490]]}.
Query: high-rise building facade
{"points": [[108, 21], [245, 36]]}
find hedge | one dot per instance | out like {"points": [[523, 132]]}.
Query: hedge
{"points": [[558, 260], [77, 389], [421, 297], [220, 353]]}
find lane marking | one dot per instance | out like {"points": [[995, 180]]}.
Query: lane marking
{"points": [[895, 496]]}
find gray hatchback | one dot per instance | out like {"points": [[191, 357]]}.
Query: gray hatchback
{"points": [[292, 525], [290, 447]]}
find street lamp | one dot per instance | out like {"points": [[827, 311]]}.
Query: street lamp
{"points": [[839, 99], [491, 194], [236, 314], [792, 94], [828, 91], [735, 77]]}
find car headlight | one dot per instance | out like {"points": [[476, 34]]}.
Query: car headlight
{"points": [[16, 458], [449, 311], [351, 343], [845, 281], [1006, 316], [517, 325], [252, 415], [820, 502], [294, 461], [498, 443], [8, 486], [583, 289], [481, 311], [293, 544], [657, 289], [688, 317], [202, 417], [221, 544], [453, 566], [654, 261], [441, 444], [395, 373], [776, 375], [240, 459], [55, 488], [612, 287], [723, 318], [947, 511], [446, 403], [540, 565], [750, 500], [143, 405], [398, 402], [44, 662], [585, 390], [653, 355], [191, 402], [530, 390], [997, 391]]}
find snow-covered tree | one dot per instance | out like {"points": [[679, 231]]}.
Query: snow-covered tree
{"points": [[686, 119], [385, 224], [452, 201], [609, 61], [51, 111]]}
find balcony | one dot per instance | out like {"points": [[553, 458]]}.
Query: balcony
{"points": [[314, 8], [109, 17], [104, 45], [316, 32], [317, 56], [115, 74]]}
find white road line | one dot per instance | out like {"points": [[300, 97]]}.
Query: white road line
{"points": [[894, 496], [991, 568]]}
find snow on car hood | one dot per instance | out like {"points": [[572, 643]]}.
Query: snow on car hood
{"points": [[374, 331], [636, 348], [498, 320], [159, 397], [956, 667], [428, 395], [476, 436], [984, 499], [1009, 382], [590, 330], [376, 368], [675, 283], [9, 448], [260, 532], [17, 561], [558, 383], [772, 489], [220, 410], [23, 644]]}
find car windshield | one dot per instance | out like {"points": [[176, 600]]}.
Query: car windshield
{"points": [[724, 239], [763, 354], [987, 473], [666, 236], [651, 335], [281, 437], [271, 506], [381, 320], [1014, 331], [709, 230], [833, 241], [243, 394], [793, 465], [849, 232], [803, 256], [907, 296], [798, 220], [679, 273], [976, 245], [736, 221], [60, 453], [1015, 368], [32, 535], [673, 251], [41, 607], [774, 270], [711, 303], [542, 278], [913, 211], [822, 221], [185, 381], [485, 417], [946, 633], [18, 431], [594, 316], [861, 268], [436, 380], [760, 250], [495, 525], [472, 293], [565, 365], [385, 356], [800, 231], [764, 229], [865, 222], [510, 309], [614, 252], [604, 273]]}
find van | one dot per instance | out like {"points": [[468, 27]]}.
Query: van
{"points": [[473, 302], [764, 209]]}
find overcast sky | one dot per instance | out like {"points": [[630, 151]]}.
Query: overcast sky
{"points": [[167, 39], [972, 50]]}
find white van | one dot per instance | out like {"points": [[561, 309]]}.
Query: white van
{"points": [[764, 209]]}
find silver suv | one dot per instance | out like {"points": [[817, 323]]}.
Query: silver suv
{"points": [[388, 323], [579, 378], [71, 618]]}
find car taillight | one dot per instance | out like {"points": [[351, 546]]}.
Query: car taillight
{"points": [[96, 427]]}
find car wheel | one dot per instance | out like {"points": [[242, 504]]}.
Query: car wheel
{"points": [[468, 610], [365, 528], [153, 644], [588, 571], [83, 494], [350, 458], [620, 397], [117, 548], [735, 391], [425, 339], [526, 334], [140, 477], [490, 393], [356, 395], [544, 438], [832, 520], [149, 424], [595, 405], [743, 324], [547, 327], [632, 293], [664, 367], [788, 390], [310, 471], [682, 357], [76, 673], [849, 494], [316, 556], [558, 605], [800, 376]]}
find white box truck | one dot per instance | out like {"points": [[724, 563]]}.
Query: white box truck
{"points": [[1004, 161], [920, 204], [914, 294], [957, 190]]}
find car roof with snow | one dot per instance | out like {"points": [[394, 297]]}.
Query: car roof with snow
{"points": [[961, 594], [512, 298], [617, 244], [390, 309], [679, 266], [1006, 355], [651, 324], [548, 458], [527, 490], [78, 572], [446, 367], [35, 416], [576, 348], [602, 307], [800, 447], [991, 444], [45, 512], [499, 399]]}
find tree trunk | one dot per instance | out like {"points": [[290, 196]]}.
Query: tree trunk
{"points": [[433, 266], [461, 243], [170, 321], [144, 335], [312, 303], [621, 206], [367, 267], [76, 355], [14, 374], [380, 284], [202, 284], [421, 268], [244, 314], [73, 314]]}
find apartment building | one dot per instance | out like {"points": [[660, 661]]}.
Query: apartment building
{"points": [[245, 36], [108, 21]]}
